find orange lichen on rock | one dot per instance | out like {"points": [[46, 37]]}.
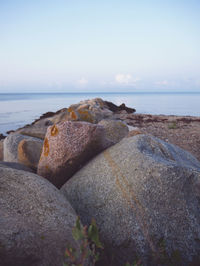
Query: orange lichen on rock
{"points": [[46, 147], [70, 110], [73, 115], [85, 115], [54, 131], [21, 150]]}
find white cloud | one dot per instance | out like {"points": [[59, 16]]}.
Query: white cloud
{"points": [[126, 79], [123, 78], [83, 81], [162, 83]]}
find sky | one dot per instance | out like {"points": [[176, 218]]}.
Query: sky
{"points": [[107, 45]]}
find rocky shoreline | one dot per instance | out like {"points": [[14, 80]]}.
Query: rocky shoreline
{"points": [[182, 131], [137, 175]]}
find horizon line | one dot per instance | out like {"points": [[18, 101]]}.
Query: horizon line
{"points": [[102, 92]]}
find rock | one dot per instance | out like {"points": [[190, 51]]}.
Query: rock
{"points": [[46, 122], [2, 136], [60, 117], [115, 130], [81, 115], [92, 111], [122, 112], [39, 127], [46, 117], [29, 151], [10, 146], [1, 150], [145, 197], [16, 166], [34, 131], [36, 221], [114, 108], [67, 146]]}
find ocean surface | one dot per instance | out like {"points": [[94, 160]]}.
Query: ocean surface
{"points": [[18, 109]]}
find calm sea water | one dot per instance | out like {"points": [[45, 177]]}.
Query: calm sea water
{"points": [[19, 109]]}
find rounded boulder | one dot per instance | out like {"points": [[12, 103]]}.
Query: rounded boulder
{"points": [[29, 151], [115, 129], [67, 146], [145, 197], [10, 146], [36, 221]]}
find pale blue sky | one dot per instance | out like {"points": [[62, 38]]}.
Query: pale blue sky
{"points": [[107, 45]]}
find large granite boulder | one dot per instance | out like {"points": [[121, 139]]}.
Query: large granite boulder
{"points": [[115, 129], [29, 151], [36, 221], [16, 166], [10, 146], [67, 146], [145, 196]]}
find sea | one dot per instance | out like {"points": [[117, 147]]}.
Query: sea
{"points": [[19, 109]]}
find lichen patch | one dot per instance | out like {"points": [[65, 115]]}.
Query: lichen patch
{"points": [[73, 115], [46, 147], [85, 115], [54, 131]]}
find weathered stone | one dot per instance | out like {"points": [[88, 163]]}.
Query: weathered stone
{"points": [[92, 111], [115, 130], [61, 117], [81, 115], [122, 107], [10, 146], [36, 221], [43, 122], [34, 131], [67, 146], [16, 166], [46, 118], [29, 152], [1, 150], [2, 136], [122, 112], [145, 197]]}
